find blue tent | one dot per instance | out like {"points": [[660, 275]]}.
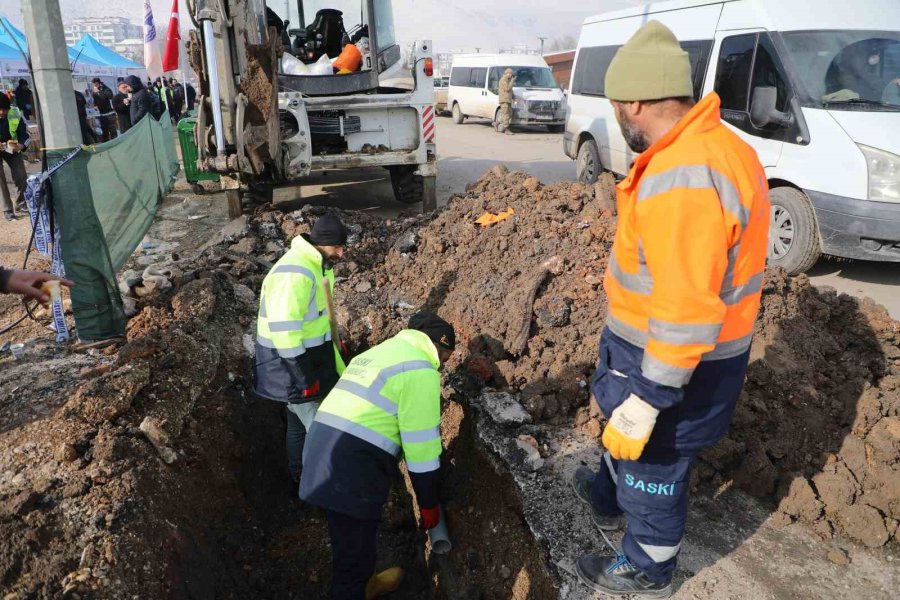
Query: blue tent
{"points": [[91, 48], [7, 53], [13, 38], [9, 35]]}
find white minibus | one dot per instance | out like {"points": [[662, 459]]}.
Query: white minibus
{"points": [[474, 81]]}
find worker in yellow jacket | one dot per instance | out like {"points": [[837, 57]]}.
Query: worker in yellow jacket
{"points": [[297, 362], [386, 406], [684, 283]]}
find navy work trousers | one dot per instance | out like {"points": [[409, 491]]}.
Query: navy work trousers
{"points": [[653, 490], [353, 555], [653, 494]]}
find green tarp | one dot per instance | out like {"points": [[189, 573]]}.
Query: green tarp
{"points": [[105, 199]]}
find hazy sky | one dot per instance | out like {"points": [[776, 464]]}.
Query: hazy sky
{"points": [[450, 24]]}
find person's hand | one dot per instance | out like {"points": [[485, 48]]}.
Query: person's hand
{"points": [[28, 284], [13, 145], [629, 428], [430, 517]]}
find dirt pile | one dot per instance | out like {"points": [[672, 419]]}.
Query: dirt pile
{"points": [[524, 293], [149, 470], [818, 425]]}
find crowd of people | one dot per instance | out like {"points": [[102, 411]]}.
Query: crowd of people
{"points": [[116, 112], [133, 99]]}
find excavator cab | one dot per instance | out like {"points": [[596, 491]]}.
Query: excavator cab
{"points": [[332, 26]]}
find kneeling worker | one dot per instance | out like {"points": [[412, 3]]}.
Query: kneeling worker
{"points": [[386, 404], [296, 360]]}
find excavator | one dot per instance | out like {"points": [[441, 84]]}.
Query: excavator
{"points": [[293, 87]]}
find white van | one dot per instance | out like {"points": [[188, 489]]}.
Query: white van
{"points": [[812, 85], [474, 82]]}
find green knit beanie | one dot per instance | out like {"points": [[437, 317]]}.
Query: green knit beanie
{"points": [[651, 66]]}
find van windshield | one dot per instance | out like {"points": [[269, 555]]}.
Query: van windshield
{"points": [[530, 77], [846, 70]]}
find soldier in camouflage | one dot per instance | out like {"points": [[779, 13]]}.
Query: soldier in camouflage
{"points": [[506, 98]]}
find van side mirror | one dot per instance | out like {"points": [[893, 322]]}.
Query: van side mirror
{"points": [[763, 111]]}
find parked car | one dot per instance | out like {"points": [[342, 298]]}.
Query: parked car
{"points": [[812, 85], [474, 83]]}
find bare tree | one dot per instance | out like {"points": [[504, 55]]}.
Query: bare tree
{"points": [[565, 42]]}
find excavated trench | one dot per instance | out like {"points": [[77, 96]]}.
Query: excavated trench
{"points": [[241, 533], [230, 526]]}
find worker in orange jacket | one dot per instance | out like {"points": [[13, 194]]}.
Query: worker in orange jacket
{"points": [[684, 282]]}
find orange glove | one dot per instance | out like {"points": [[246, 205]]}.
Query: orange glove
{"points": [[430, 517], [629, 428]]}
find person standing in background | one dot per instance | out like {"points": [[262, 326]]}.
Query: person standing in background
{"points": [[24, 99], [103, 100], [13, 140], [505, 95], [191, 96], [87, 135], [122, 106]]}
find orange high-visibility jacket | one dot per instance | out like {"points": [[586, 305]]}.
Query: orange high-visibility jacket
{"points": [[685, 274]]}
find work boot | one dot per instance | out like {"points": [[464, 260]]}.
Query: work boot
{"points": [[384, 583], [9, 215], [616, 576], [581, 482]]}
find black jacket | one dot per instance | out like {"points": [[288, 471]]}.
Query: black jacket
{"points": [[191, 94], [24, 99], [87, 136], [123, 111], [140, 99], [103, 99]]}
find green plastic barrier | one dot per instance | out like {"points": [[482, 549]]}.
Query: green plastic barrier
{"points": [[105, 198]]}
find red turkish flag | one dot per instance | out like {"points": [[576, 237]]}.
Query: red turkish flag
{"points": [[173, 37]]}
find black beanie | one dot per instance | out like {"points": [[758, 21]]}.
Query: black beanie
{"points": [[438, 330], [328, 231]]}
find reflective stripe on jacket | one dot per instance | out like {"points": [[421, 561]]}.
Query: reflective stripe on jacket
{"points": [[389, 397], [296, 360], [686, 268]]}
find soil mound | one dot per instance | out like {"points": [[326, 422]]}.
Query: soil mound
{"points": [[818, 425]]}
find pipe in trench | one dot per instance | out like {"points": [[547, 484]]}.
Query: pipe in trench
{"points": [[439, 537]]}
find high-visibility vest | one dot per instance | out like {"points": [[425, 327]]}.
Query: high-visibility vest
{"points": [[390, 397], [296, 358], [685, 274], [13, 118]]}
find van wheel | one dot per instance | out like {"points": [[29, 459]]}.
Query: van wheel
{"points": [[458, 117], [793, 235], [408, 187], [587, 164], [556, 128]]}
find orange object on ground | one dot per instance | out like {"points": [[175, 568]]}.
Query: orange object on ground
{"points": [[488, 219], [350, 59]]}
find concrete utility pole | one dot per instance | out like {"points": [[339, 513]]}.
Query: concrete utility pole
{"points": [[96, 302], [52, 75]]}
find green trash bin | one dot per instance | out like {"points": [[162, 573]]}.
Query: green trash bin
{"points": [[189, 156]]}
